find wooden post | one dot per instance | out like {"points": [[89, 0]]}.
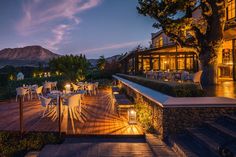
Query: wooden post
{"points": [[21, 115], [59, 116]]}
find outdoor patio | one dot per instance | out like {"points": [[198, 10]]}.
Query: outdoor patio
{"points": [[223, 89], [97, 118]]}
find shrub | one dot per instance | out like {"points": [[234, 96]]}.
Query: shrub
{"points": [[170, 88], [12, 145], [72, 67], [144, 115]]}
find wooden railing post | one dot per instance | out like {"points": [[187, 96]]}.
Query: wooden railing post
{"points": [[21, 115], [59, 114]]}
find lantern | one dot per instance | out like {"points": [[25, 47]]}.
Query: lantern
{"points": [[132, 116], [115, 90]]}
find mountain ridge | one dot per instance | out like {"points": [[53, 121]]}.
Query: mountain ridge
{"points": [[26, 56], [33, 55]]}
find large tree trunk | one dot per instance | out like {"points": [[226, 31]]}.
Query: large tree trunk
{"points": [[209, 61], [209, 75]]}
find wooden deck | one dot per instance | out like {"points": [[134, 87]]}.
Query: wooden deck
{"points": [[98, 118]]}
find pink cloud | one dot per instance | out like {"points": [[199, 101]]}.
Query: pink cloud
{"points": [[36, 14], [58, 35], [118, 45]]}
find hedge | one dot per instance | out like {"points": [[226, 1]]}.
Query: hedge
{"points": [[174, 89], [12, 145]]}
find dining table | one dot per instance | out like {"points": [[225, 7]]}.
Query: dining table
{"points": [[55, 95], [30, 89]]}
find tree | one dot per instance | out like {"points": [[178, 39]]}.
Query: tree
{"points": [[72, 67], [101, 63], [204, 36]]}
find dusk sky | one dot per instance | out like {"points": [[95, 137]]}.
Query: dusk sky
{"points": [[92, 27]]}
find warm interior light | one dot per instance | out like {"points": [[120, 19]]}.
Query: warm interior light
{"points": [[132, 112]]}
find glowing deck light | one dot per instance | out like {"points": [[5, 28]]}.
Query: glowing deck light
{"points": [[132, 116]]}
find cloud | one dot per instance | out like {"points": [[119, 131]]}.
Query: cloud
{"points": [[40, 12], [118, 46], [46, 16], [58, 35]]}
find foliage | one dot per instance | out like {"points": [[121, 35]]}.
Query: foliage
{"points": [[101, 63], [72, 67], [12, 145], [104, 83], [105, 69], [3, 80], [144, 114], [27, 71], [204, 35], [169, 88]]}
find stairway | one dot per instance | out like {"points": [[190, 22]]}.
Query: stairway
{"points": [[96, 146], [208, 139]]}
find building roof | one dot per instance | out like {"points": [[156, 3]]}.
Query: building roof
{"points": [[154, 35]]}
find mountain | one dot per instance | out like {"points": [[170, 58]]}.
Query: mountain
{"points": [[26, 56], [93, 62]]}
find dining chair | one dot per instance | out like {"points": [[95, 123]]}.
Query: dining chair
{"points": [[38, 91], [47, 86], [21, 91], [160, 75], [74, 103], [90, 89], [45, 102], [197, 78], [96, 84], [184, 75], [54, 85]]}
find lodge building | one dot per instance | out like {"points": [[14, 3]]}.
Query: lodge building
{"points": [[165, 54]]}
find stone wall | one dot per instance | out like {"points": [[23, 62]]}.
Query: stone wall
{"points": [[157, 110], [178, 119], [171, 120]]}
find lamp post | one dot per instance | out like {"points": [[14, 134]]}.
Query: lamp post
{"points": [[132, 116]]}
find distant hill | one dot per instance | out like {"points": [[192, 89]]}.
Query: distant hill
{"points": [[93, 62], [26, 56], [112, 58]]}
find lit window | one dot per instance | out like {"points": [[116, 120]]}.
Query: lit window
{"points": [[159, 42], [155, 63], [181, 62], [227, 57], [231, 9]]}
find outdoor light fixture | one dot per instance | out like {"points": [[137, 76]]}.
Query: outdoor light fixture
{"points": [[115, 90], [132, 116], [67, 87]]}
